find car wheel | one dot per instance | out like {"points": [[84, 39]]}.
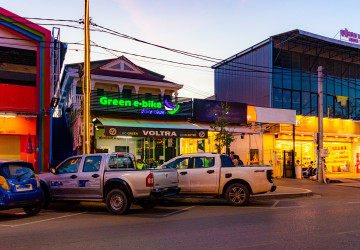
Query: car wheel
{"points": [[237, 195], [148, 204], [117, 202], [33, 210]]}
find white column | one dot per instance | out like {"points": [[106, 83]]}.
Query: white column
{"points": [[92, 85], [121, 87], [162, 91], [136, 89], [73, 87]]}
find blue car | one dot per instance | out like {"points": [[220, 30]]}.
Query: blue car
{"points": [[20, 187]]}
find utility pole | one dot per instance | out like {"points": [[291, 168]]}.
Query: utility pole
{"points": [[86, 81], [320, 169]]}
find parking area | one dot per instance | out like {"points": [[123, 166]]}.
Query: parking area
{"points": [[60, 211]]}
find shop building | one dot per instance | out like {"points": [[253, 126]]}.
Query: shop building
{"points": [[24, 90], [281, 72], [133, 110]]}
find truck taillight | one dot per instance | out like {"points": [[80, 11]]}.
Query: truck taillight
{"points": [[270, 175], [150, 180]]}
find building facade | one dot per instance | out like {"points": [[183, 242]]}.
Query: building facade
{"points": [[24, 90], [281, 72]]}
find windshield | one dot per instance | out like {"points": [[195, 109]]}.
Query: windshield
{"points": [[16, 171]]}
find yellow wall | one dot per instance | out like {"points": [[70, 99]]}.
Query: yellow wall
{"points": [[9, 147]]}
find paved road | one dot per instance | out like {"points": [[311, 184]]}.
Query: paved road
{"points": [[330, 220]]}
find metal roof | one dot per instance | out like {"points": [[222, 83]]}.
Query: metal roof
{"points": [[336, 49]]}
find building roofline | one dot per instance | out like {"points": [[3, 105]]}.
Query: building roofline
{"points": [[242, 53]]}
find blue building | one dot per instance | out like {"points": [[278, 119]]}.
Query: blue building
{"points": [[281, 72]]}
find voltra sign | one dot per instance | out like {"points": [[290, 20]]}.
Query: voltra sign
{"points": [[148, 107], [155, 132]]}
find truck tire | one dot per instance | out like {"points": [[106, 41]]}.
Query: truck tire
{"points": [[147, 204], [117, 202], [47, 198], [237, 195]]}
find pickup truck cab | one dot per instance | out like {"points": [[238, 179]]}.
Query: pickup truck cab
{"points": [[214, 174], [110, 178]]}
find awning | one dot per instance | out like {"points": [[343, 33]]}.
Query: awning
{"points": [[146, 128], [231, 128]]}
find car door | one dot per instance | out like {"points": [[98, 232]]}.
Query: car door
{"points": [[183, 166], [204, 176], [64, 182], [90, 177]]}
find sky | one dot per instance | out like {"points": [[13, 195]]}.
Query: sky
{"points": [[215, 28]]}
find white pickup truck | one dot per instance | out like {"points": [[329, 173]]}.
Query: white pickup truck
{"points": [[214, 174], [110, 178]]}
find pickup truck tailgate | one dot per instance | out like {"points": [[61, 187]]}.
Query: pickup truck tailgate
{"points": [[165, 178]]}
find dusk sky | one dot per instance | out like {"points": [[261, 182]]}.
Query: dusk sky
{"points": [[213, 28]]}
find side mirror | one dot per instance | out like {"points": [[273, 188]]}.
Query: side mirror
{"points": [[53, 170]]}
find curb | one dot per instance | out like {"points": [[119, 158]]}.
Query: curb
{"points": [[270, 196]]}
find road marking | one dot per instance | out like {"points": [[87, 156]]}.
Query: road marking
{"points": [[178, 211], [354, 202], [39, 221], [274, 205]]}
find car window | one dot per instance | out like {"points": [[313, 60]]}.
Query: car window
{"points": [[120, 162], [226, 161], [179, 163], [204, 162], [70, 166], [92, 164], [16, 170]]}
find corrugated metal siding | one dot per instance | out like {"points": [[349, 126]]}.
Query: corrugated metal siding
{"points": [[234, 82]]}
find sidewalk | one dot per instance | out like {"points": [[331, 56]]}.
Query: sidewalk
{"points": [[286, 188]]}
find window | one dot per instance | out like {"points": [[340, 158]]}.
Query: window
{"points": [[305, 82], [277, 77], [330, 105], [14, 170], [79, 91], [179, 163], [100, 92], [70, 166], [286, 79], [120, 162], [226, 161], [126, 93], [92, 164], [277, 95], [127, 68], [286, 99], [204, 162], [314, 106], [305, 103], [296, 101], [148, 96]]}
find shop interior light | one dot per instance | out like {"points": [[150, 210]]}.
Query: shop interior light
{"points": [[7, 115]]}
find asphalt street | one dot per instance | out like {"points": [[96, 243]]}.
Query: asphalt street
{"points": [[328, 220]]}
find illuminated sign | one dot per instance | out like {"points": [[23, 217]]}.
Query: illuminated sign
{"points": [[351, 36], [148, 106], [155, 132]]}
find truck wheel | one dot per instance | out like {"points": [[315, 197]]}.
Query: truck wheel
{"points": [[147, 204], [237, 195], [33, 210], [47, 197], [117, 202]]}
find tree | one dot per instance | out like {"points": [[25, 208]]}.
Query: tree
{"points": [[223, 137]]}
